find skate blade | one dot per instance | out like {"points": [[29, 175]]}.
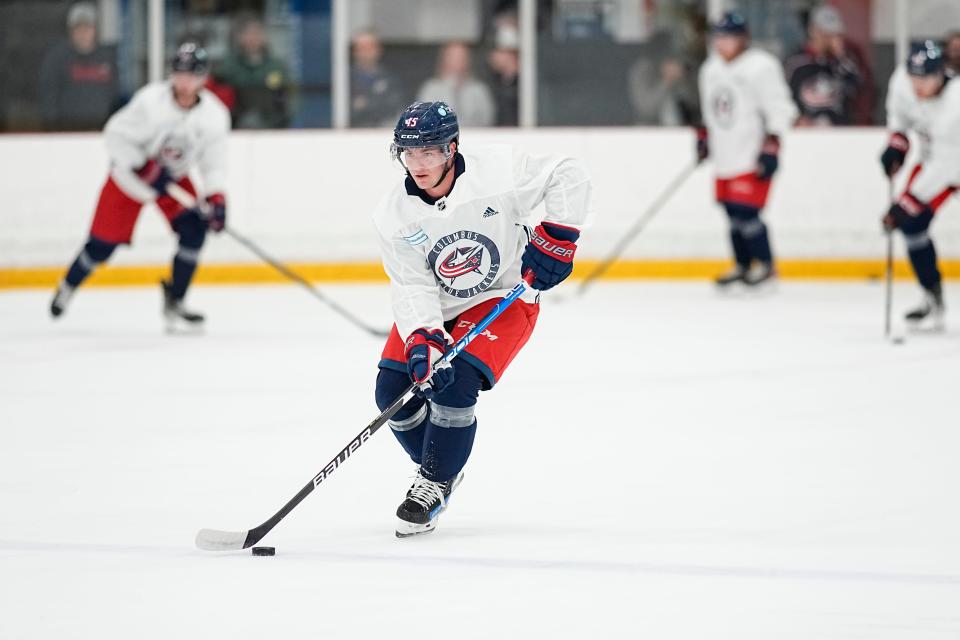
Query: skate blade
{"points": [[181, 328], [409, 529]]}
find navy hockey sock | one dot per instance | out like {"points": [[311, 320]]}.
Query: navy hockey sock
{"points": [[923, 257], [740, 251], [447, 445], [409, 424], [193, 230], [753, 230], [90, 257], [452, 427]]}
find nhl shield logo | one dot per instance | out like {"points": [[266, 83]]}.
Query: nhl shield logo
{"points": [[465, 263]]}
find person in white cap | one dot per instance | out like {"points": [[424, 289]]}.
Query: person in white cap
{"points": [[824, 77], [78, 77]]}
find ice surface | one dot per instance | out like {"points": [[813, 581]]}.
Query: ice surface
{"points": [[660, 462]]}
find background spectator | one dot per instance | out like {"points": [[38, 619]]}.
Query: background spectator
{"points": [[375, 94], [661, 90], [951, 50], [504, 63], [455, 85], [78, 78], [824, 77], [260, 82]]}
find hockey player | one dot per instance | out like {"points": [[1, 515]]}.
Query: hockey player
{"points": [[167, 128], [456, 236], [920, 99], [746, 108]]}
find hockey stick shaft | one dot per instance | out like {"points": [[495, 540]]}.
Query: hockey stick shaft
{"points": [[184, 197], [888, 286], [637, 227], [214, 540]]}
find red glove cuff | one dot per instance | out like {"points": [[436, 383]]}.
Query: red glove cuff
{"points": [[217, 198], [771, 145], [899, 142], [911, 204], [433, 338], [562, 250], [150, 171]]}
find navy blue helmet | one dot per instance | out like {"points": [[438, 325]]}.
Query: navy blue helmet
{"points": [[192, 58], [426, 124], [926, 59], [731, 23]]}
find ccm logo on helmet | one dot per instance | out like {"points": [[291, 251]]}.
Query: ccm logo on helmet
{"points": [[409, 136], [552, 248]]}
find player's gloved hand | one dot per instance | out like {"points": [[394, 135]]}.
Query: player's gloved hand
{"points": [[908, 214], [896, 152], [703, 145], [549, 255], [216, 211], [156, 175], [767, 163], [423, 351]]}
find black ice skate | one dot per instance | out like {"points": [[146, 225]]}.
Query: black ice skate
{"points": [[61, 299], [176, 315], [762, 275], [426, 500], [732, 277], [928, 316]]}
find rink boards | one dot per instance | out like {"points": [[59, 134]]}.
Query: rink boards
{"points": [[306, 197]]}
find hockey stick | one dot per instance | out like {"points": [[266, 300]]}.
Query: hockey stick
{"points": [[637, 227], [215, 540], [182, 196], [888, 288]]}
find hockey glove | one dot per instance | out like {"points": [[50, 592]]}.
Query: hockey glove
{"points": [[767, 163], [549, 255], [896, 152], [703, 145], [423, 351], [217, 211], [909, 214], [156, 175]]}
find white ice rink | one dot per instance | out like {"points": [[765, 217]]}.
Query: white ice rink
{"points": [[660, 462]]}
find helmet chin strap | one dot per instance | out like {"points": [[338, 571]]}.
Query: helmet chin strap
{"points": [[446, 169]]}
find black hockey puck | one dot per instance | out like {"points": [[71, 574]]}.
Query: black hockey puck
{"points": [[264, 551]]}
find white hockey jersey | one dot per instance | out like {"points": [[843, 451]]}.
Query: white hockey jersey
{"points": [[742, 101], [444, 258], [936, 122], [153, 126]]}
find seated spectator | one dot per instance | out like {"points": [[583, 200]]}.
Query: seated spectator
{"points": [[375, 95], [951, 50], [825, 77], [78, 77], [260, 82], [455, 85]]}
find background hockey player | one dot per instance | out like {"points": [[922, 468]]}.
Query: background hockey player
{"points": [[920, 99], [167, 128], [746, 107], [456, 235]]}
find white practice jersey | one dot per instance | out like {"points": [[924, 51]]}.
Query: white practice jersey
{"points": [[446, 257], [152, 126], [743, 100], [937, 124]]}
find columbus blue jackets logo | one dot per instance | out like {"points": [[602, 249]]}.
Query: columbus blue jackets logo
{"points": [[723, 104], [465, 263]]}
